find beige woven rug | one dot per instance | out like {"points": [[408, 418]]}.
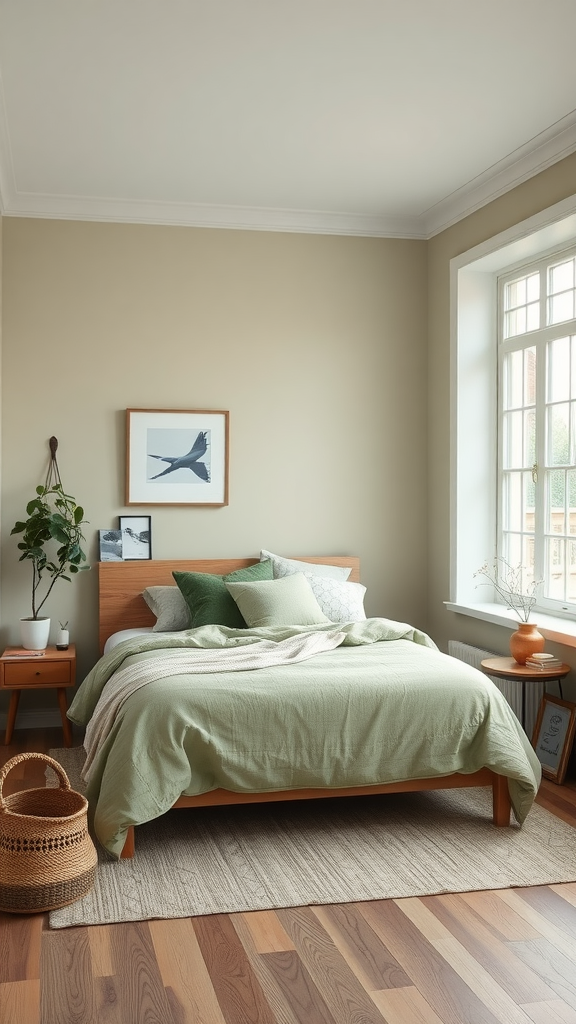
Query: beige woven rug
{"points": [[261, 856]]}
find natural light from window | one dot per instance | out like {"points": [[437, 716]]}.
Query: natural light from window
{"points": [[513, 456]]}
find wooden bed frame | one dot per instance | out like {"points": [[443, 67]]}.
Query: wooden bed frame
{"points": [[121, 606]]}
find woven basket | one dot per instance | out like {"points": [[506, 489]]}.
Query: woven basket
{"points": [[47, 858]]}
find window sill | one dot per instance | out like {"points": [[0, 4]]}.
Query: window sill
{"points": [[553, 627]]}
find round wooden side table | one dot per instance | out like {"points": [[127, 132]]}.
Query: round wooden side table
{"points": [[507, 668]]}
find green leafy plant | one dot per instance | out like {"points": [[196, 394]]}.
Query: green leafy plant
{"points": [[51, 539], [508, 582]]}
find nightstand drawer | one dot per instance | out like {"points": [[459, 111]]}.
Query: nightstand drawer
{"points": [[55, 673]]}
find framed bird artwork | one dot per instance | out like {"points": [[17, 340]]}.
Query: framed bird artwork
{"points": [[176, 457]]}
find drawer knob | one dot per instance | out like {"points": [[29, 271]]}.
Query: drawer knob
{"points": [[37, 673]]}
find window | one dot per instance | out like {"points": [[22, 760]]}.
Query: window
{"points": [[513, 416], [537, 426]]}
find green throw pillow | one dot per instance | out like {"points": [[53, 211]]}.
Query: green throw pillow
{"points": [[285, 602], [208, 599]]}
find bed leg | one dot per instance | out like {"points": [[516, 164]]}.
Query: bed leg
{"points": [[501, 806], [129, 846]]}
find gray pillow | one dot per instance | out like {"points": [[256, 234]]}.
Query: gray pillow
{"points": [[284, 602], [169, 607]]}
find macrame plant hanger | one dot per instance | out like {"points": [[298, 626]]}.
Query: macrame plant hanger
{"points": [[53, 474]]}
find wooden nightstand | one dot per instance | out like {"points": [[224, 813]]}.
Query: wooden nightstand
{"points": [[507, 668], [52, 670]]}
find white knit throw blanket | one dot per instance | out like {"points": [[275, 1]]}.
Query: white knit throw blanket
{"points": [[262, 654]]}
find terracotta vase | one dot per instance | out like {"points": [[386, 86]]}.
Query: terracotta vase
{"points": [[526, 641]]}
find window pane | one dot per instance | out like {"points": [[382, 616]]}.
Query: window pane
{"points": [[560, 308], [561, 277], [571, 489], [529, 376], [557, 446], [571, 587], [556, 499], [558, 378], [529, 495], [512, 382], [572, 452], [515, 294], [513, 548], [529, 438], [527, 563], [522, 305], [512, 501], [513, 422], [533, 316], [533, 288], [555, 569]]}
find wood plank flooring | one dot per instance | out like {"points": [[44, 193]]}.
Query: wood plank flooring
{"points": [[501, 957]]}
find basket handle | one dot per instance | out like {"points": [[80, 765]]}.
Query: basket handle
{"points": [[62, 777]]}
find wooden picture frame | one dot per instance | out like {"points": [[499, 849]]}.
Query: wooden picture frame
{"points": [[553, 736], [176, 457]]}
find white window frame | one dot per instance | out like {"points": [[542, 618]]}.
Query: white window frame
{"points": [[537, 339], [473, 386]]}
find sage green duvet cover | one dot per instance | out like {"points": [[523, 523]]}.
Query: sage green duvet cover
{"points": [[383, 706]]}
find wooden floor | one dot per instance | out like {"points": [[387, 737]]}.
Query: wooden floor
{"points": [[505, 956]]}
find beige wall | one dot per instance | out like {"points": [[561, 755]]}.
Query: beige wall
{"points": [[540, 192], [316, 345]]}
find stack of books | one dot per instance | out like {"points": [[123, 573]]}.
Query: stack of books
{"points": [[543, 661]]}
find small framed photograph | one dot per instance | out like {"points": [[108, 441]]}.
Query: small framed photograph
{"points": [[554, 735], [136, 533], [176, 457], [110, 545]]}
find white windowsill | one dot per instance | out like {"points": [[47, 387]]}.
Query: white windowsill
{"points": [[553, 627]]}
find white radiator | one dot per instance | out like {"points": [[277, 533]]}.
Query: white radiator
{"points": [[510, 688]]}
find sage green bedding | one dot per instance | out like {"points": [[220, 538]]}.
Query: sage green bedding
{"points": [[384, 706]]}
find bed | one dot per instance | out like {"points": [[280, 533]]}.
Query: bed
{"points": [[160, 752]]}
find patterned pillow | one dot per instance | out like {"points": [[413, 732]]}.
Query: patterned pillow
{"points": [[341, 602], [286, 566]]}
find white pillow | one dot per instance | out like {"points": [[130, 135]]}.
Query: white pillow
{"points": [[286, 566], [285, 602], [169, 607], [125, 634], [341, 602]]}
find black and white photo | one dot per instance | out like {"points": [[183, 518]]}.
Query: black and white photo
{"points": [[110, 545], [136, 534]]}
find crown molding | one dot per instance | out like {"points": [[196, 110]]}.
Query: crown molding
{"points": [[201, 215], [542, 151], [545, 149]]}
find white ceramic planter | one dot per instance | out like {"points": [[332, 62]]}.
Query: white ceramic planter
{"points": [[34, 634]]}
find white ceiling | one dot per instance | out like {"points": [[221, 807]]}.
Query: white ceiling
{"points": [[347, 116]]}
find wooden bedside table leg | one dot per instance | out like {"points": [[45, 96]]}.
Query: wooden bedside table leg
{"points": [[11, 717], [66, 724]]}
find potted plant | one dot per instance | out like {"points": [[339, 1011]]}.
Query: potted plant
{"points": [[51, 538]]}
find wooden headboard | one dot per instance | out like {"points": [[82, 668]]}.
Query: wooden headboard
{"points": [[120, 585]]}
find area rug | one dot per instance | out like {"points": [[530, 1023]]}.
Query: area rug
{"points": [[264, 856]]}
